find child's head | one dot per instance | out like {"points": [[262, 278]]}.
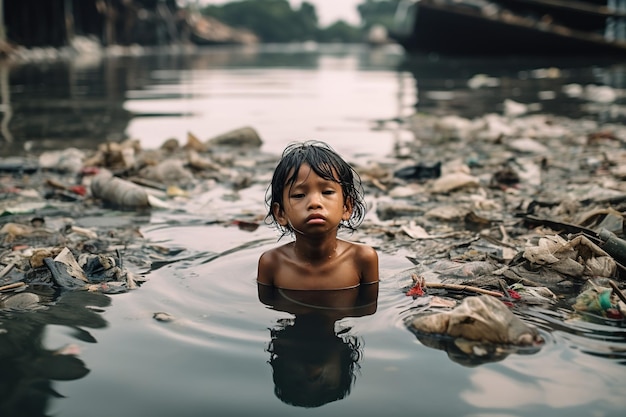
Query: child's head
{"points": [[326, 163]]}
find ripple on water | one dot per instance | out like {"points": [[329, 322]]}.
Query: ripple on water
{"points": [[213, 297], [211, 292]]}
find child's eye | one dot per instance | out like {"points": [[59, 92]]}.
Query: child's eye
{"points": [[298, 195], [329, 192]]}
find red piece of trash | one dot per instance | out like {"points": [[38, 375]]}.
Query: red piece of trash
{"points": [[415, 291], [78, 189], [514, 294], [85, 171]]}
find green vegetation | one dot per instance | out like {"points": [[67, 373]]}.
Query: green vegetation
{"points": [[276, 21], [340, 31], [270, 20]]}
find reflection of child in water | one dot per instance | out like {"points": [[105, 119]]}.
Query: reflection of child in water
{"points": [[312, 365]]}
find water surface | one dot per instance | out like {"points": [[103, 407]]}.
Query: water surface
{"points": [[217, 355]]}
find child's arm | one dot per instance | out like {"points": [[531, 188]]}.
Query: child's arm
{"points": [[368, 260], [265, 270]]}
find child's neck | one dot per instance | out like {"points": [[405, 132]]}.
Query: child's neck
{"points": [[315, 250]]}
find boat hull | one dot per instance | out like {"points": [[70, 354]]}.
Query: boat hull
{"points": [[449, 29]]}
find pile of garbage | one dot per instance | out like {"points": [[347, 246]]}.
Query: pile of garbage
{"points": [[528, 209], [72, 218]]}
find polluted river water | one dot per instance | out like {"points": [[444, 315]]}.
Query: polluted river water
{"points": [[196, 338]]}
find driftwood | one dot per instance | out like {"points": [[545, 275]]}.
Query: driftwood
{"points": [[617, 291], [454, 287], [460, 287], [12, 286], [531, 221], [7, 269]]}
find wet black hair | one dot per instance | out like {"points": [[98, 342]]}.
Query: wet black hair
{"points": [[326, 163]]}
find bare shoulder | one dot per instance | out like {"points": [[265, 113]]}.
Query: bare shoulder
{"points": [[366, 258], [362, 252], [265, 271], [268, 262]]}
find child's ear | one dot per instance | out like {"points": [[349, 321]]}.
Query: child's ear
{"points": [[347, 210], [279, 214]]}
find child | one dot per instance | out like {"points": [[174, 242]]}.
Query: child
{"points": [[313, 193]]}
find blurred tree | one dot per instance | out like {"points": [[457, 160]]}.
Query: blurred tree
{"points": [[340, 31], [306, 19], [276, 21], [270, 20]]}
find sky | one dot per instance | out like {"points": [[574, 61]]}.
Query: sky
{"points": [[328, 11]]}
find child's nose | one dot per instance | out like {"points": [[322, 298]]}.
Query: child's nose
{"points": [[315, 200]]}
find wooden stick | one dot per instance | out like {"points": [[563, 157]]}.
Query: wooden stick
{"points": [[7, 269], [12, 286], [458, 287], [522, 280], [617, 291]]}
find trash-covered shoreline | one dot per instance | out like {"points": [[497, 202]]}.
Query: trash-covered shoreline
{"points": [[526, 208], [529, 201], [72, 218]]}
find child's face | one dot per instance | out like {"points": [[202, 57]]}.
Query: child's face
{"points": [[312, 204]]}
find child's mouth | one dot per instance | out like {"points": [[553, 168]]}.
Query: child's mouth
{"points": [[316, 220]]}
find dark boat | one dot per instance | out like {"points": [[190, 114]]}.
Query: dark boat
{"points": [[512, 27]]}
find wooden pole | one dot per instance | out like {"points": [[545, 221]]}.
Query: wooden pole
{"points": [[617, 291], [3, 33], [69, 21]]}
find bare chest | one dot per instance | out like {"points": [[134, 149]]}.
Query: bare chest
{"points": [[332, 274]]}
